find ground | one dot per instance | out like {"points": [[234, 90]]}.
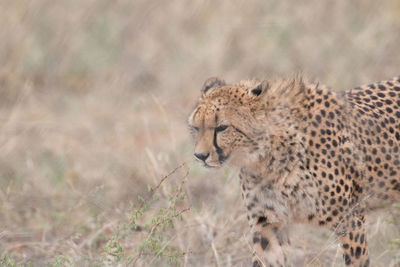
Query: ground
{"points": [[93, 108]]}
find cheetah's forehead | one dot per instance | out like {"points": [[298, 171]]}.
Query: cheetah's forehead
{"points": [[249, 83], [220, 99]]}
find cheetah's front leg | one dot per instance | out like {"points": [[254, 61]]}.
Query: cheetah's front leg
{"points": [[354, 242], [268, 242]]}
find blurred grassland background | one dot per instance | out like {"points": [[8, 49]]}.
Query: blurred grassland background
{"points": [[94, 97]]}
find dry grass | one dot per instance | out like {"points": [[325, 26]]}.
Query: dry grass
{"points": [[93, 101]]}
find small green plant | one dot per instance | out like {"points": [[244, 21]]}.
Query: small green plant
{"points": [[7, 261], [154, 216], [114, 250], [62, 261]]}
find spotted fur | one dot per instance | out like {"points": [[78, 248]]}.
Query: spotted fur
{"points": [[306, 155]]}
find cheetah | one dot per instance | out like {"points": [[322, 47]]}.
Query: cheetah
{"points": [[306, 154]]}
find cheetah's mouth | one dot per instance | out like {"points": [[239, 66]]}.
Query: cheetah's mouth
{"points": [[222, 158], [209, 166], [215, 164]]}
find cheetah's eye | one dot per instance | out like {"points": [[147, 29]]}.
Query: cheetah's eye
{"points": [[221, 128], [194, 128]]}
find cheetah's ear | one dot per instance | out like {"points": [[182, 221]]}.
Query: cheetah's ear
{"points": [[259, 89], [210, 84]]}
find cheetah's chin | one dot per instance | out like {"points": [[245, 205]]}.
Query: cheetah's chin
{"points": [[208, 166]]}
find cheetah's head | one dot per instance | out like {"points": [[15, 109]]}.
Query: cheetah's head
{"points": [[224, 122]]}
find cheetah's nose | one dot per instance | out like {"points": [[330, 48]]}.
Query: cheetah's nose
{"points": [[201, 156]]}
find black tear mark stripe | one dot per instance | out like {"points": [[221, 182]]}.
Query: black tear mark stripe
{"points": [[220, 152]]}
